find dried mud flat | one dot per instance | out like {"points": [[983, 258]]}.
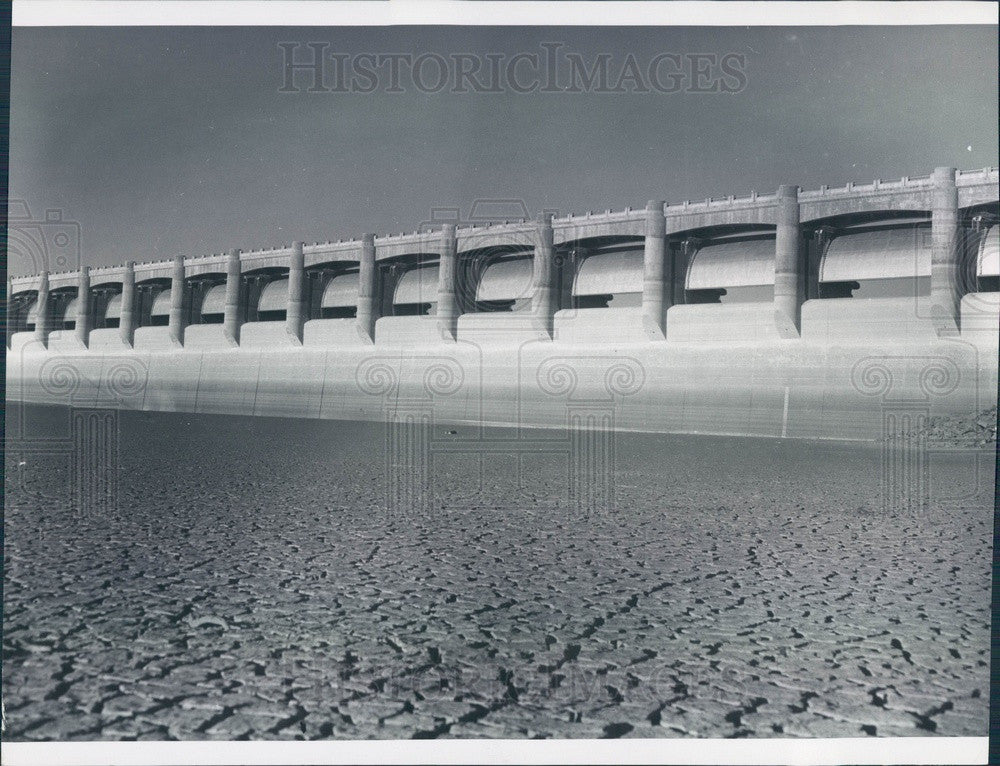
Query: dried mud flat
{"points": [[252, 584]]}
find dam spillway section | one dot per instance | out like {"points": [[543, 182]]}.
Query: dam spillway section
{"points": [[808, 313]]}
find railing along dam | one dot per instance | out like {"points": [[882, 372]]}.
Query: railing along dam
{"points": [[798, 313]]}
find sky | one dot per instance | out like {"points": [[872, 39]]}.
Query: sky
{"points": [[155, 142]]}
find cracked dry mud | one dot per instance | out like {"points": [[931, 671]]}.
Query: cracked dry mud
{"points": [[251, 584]]}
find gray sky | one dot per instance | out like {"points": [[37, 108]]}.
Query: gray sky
{"points": [[176, 140]]}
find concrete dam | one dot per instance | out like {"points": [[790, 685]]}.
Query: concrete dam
{"points": [[844, 313]]}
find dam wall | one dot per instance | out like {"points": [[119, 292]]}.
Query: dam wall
{"points": [[773, 388], [840, 313]]}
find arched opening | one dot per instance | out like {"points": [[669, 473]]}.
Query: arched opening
{"points": [[62, 306], [600, 272], [105, 305], [877, 260], [272, 306], [978, 270], [213, 304], [496, 280], [416, 292], [159, 311], [206, 298], [340, 296], [609, 277], [29, 313], [412, 286], [265, 292], [987, 261], [19, 305], [113, 312], [737, 268], [599, 282], [152, 303]]}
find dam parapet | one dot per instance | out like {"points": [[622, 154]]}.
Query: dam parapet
{"points": [[745, 315]]}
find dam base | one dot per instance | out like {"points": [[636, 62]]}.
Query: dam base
{"points": [[814, 389]]}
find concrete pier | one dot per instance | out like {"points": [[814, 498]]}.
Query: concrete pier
{"points": [[544, 288], [448, 309], [178, 295], [295, 315], [368, 290], [82, 326], [944, 255], [234, 314], [42, 318], [126, 322], [789, 268], [656, 278]]}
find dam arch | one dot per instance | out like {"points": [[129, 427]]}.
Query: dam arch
{"points": [[22, 310], [265, 293], [62, 308], [106, 304], [333, 289], [496, 279], [207, 295], [409, 284], [339, 296], [603, 271], [152, 302], [979, 271], [408, 298], [729, 262]]}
